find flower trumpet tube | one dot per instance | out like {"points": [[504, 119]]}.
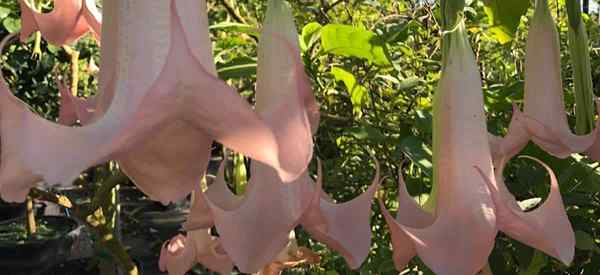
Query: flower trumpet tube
{"points": [[462, 199], [160, 64], [467, 192], [65, 24], [543, 103]]}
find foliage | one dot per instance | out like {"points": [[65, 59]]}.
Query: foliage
{"points": [[374, 66]]}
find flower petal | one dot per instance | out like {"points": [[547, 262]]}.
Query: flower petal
{"points": [[546, 228], [177, 255], [409, 211], [63, 25], [209, 252], [462, 197], [255, 229], [283, 94], [164, 75], [343, 227], [544, 104], [515, 140]]}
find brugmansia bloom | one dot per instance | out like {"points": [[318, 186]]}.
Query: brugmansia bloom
{"points": [[253, 228], [159, 109], [66, 23], [470, 205], [544, 116]]}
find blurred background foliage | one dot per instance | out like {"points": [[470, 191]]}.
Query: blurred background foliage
{"points": [[374, 66]]}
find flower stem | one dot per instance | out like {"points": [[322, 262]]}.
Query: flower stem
{"points": [[580, 58], [31, 225], [74, 54]]}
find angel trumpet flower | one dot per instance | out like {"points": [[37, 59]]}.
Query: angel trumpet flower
{"points": [[469, 197], [253, 228], [69, 21], [160, 107], [463, 200], [544, 115]]}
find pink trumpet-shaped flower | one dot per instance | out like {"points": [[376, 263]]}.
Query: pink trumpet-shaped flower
{"points": [[160, 107], [458, 236], [544, 116], [69, 21], [181, 253], [253, 228]]}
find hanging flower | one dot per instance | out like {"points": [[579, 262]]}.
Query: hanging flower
{"points": [[457, 236], [253, 228], [543, 114], [159, 108], [65, 24]]}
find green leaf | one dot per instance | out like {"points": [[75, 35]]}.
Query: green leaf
{"points": [[585, 241], [357, 92], [349, 41], [504, 17], [535, 266], [236, 27], [241, 67], [418, 152], [12, 25], [4, 12], [366, 132], [307, 38]]}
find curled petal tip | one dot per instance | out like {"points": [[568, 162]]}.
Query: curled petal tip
{"points": [[546, 228]]}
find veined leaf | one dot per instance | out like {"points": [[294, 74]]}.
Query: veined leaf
{"points": [[504, 17], [349, 41], [307, 38], [357, 91], [237, 68], [237, 27]]}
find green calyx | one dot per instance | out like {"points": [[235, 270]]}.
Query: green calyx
{"points": [[451, 10]]}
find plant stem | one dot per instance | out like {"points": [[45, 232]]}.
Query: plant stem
{"points": [[74, 54], [580, 58], [97, 222], [31, 225]]}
